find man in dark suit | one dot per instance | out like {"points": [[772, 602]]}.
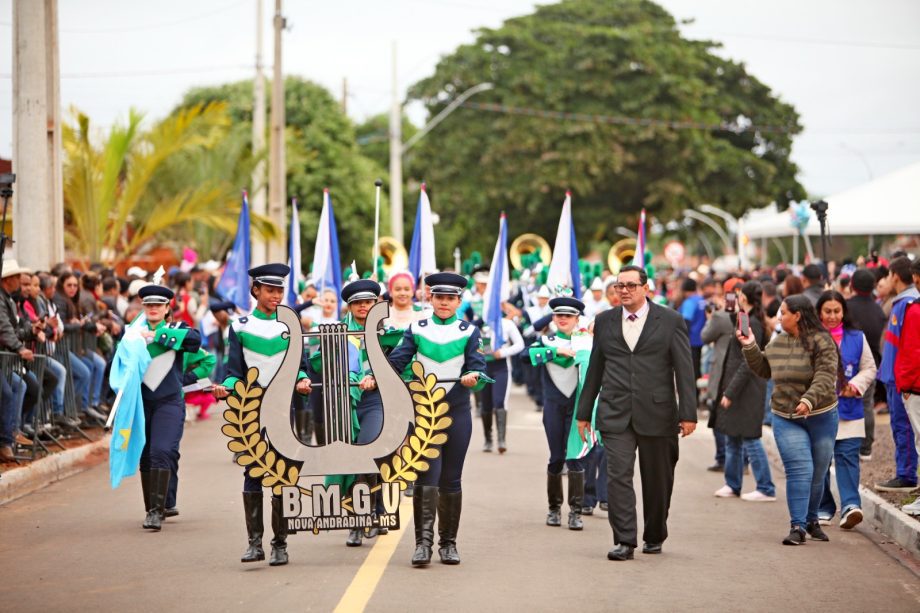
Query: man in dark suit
{"points": [[640, 351]]}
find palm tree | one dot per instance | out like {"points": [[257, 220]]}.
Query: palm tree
{"points": [[126, 192]]}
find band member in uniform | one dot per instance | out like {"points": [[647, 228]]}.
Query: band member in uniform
{"points": [[498, 365], [164, 404], [560, 383], [448, 348], [256, 341]]}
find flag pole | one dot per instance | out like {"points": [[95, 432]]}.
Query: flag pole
{"points": [[378, 183]]}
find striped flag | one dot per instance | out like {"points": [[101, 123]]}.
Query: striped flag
{"points": [[639, 257], [498, 288], [327, 268], [290, 296], [234, 282], [421, 252], [563, 270]]}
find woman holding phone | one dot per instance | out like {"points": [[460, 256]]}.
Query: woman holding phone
{"points": [[740, 401], [856, 373], [802, 360]]}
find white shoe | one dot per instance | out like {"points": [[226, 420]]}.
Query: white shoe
{"points": [[757, 496], [824, 520], [912, 508], [725, 492], [851, 518]]}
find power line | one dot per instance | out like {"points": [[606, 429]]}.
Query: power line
{"points": [[813, 41], [146, 73], [623, 121]]}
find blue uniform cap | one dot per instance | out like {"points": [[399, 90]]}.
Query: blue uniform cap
{"points": [[221, 305], [449, 283], [270, 274], [155, 294], [362, 289], [565, 305]]}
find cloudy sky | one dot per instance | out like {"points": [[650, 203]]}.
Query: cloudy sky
{"points": [[850, 67]]}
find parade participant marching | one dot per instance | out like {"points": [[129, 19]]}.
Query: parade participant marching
{"points": [[556, 353], [498, 365], [256, 342], [164, 404], [360, 296], [448, 348], [402, 310]]}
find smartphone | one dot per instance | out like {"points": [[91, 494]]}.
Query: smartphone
{"points": [[731, 299], [744, 324]]}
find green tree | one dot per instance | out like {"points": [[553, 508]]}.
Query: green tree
{"points": [[618, 58], [321, 152], [121, 195]]}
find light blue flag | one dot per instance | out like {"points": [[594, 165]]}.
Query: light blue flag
{"points": [[128, 429], [234, 282]]}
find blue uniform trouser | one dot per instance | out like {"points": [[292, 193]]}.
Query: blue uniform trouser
{"points": [[905, 453], [446, 471], [164, 427], [846, 467], [495, 396], [557, 421], [595, 476]]}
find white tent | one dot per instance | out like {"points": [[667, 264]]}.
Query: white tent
{"points": [[887, 205]]}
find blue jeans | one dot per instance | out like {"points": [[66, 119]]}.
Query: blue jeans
{"points": [[767, 413], [720, 446], [57, 398], [10, 408], [737, 449], [96, 366], [595, 476], [846, 465], [806, 446], [82, 379], [905, 453]]}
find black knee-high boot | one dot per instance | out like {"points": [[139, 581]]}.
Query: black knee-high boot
{"points": [[252, 507], [487, 431], [159, 483], [145, 488], [501, 423], [554, 496], [279, 556], [576, 498], [449, 507], [425, 508]]}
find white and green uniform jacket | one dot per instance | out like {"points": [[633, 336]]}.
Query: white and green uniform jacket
{"points": [[256, 342]]}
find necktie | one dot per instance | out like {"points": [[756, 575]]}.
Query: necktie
{"points": [[632, 317]]}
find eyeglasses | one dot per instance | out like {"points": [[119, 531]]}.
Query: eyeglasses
{"points": [[630, 286]]}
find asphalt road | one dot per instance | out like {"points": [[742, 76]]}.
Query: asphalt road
{"points": [[78, 545]]}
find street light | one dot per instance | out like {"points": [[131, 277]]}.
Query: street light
{"points": [[692, 214], [398, 148], [735, 224]]}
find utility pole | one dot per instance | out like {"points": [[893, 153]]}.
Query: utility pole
{"points": [[259, 254], [396, 199], [345, 95], [277, 187], [38, 210]]}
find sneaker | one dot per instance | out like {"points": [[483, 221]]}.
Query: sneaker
{"points": [[757, 496], [796, 537], [93, 413], [815, 532], [912, 508], [824, 519], [725, 492], [604, 506], [851, 518], [895, 485], [865, 456]]}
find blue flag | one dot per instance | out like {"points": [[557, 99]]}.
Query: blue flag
{"points": [[327, 267], [234, 283], [563, 270], [128, 434], [290, 296], [421, 250], [498, 288]]}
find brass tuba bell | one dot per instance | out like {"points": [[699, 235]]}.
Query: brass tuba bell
{"points": [[394, 255], [621, 251], [526, 244]]}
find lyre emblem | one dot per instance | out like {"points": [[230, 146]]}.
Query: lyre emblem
{"points": [[339, 455]]}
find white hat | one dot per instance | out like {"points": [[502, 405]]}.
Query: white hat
{"points": [[137, 271], [11, 267], [135, 286], [481, 277], [597, 285], [543, 292]]}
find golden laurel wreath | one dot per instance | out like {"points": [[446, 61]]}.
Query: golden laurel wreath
{"points": [[260, 459]]}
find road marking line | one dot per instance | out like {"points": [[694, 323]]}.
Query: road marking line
{"points": [[365, 581]]}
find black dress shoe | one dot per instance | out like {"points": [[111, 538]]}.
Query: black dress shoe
{"points": [[354, 537], [621, 553], [651, 548], [172, 512]]}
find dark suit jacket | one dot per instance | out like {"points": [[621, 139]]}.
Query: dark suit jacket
{"points": [[638, 386]]}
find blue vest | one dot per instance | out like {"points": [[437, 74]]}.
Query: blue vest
{"points": [[851, 347]]}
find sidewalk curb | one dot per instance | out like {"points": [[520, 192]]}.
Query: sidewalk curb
{"points": [[20, 482], [880, 514]]}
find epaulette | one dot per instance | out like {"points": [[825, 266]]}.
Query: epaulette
{"points": [[464, 325], [551, 337], [243, 319], [422, 323]]}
